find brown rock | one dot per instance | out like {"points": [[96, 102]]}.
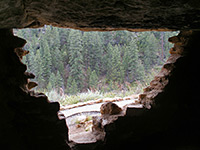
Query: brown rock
{"points": [[174, 39], [147, 89], [29, 75], [97, 123], [110, 108], [101, 15], [141, 96], [32, 84], [20, 52]]}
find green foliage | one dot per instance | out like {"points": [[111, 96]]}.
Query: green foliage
{"points": [[76, 58], [82, 97], [107, 61], [72, 87], [93, 80], [59, 80], [52, 82], [47, 62], [114, 63]]}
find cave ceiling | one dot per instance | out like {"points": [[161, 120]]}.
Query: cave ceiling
{"points": [[136, 15]]}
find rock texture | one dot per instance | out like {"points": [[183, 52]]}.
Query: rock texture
{"points": [[169, 116], [162, 80], [110, 108], [28, 119], [137, 15], [169, 119]]}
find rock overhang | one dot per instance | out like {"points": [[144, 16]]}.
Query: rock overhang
{"points": [[90, 15]]}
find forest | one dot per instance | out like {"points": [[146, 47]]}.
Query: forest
{"points": [[75, 61]]}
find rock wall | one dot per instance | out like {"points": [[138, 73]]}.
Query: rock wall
{"points": [[152, 93], [28, 119], [137, 15], [169, 119]]}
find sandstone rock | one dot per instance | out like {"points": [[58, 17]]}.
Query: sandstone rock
{"points": [[177, 49], [174, 39], [110, 108], [97, 123], [29, 116], [20, 52], [141, 96], [29, 75], [135, 110], [31, 85], [147, 89], [25, 113], [101, 15]]}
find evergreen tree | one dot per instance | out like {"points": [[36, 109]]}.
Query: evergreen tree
{"points": [[46, 61], [153, 47], [87, 78], [93, 80], [31, 61], [49, 86], [99, 52], [52, 82], [93, 50], [59, 80], [133, 64], [57, 60], [72, 87], [115, 65], [76, 58], [39, 69]]}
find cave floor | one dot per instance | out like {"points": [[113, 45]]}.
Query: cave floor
{"points": [[94, 107], [80, 130]]}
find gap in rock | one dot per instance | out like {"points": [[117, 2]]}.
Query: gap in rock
{"points": [[82, 70]]}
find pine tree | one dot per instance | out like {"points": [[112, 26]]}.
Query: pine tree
{"points": [[49, 87], [31, 61], [148, 49], [76, 58], [153, 47], [59, 80], [86, 41], [132, 63], [68, 58], [87, 77], [72, 87], [93, 80], [39, 69], [93, 50], [99, 52], [46, 61], [57, 61], [115, 65], [52, 82]]}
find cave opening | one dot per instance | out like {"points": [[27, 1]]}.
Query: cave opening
{"points": [[169, 117], [114, 67], [68, 61]]}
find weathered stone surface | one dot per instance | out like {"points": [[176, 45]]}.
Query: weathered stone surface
{"points": [[169, 119], [110, 108], [28, 119], [160, 82], [101, 15], [135, 110]]}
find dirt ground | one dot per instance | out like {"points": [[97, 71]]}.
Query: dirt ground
{"points": [[81, 135]]}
